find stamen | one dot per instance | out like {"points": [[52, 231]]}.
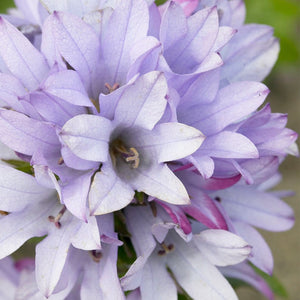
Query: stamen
{"points": [[60, 161], [153, 209], [111, 88], [56, 220], [166, 249], [96, 255], [131, 156], [3, 213]]}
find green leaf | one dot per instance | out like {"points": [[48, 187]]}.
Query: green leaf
{"points": [[20, 165], [273, 282], [5, 4], [160, 2]]}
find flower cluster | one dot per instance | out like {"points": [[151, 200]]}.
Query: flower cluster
{"points": [[134, 145]]}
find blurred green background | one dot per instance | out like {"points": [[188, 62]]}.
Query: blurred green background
{"points": [[284, 82]]}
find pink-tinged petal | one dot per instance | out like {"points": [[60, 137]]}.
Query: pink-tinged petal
{"points": [[11, 89], [157, 282], [186, 55], [74, 195], [21, 58], [51, 254], [127, 25], [173, 25], [170, 141], [202, 207], [228, 144], [108, 192], [215, 184], [76, 42], [87, 136], [197, 276], [261, 254], [204, 210], [108, 275], [257, 208], [251, 53], [232, 104], [87, 237], [26, 135], [222, 248], [18, 227], [188, 6], [19, 189], [246, 273], [67, 85], [146, 99], [178, 216], [157, 181]]}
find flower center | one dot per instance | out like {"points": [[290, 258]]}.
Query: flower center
{"points": [[129, 155]]}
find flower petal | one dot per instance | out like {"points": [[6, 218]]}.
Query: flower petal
{"points": [[228, 144], [233, 103], [261, 255], [146, 100], [126, 26], [108, 193], [26, 135], [195, 274], [19, 189], [222, 247], [171, 141], [76, 42], [157, 181], [257, 208], [18, 227], [67, 86], [87, 136], [20, 57]]}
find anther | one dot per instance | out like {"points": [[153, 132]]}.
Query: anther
{"points": [[134, 158], [166, 249], [130, 156], [96, 255], [218, 199], [153, 209], [56, 220], [111, 88], [3, 213], [60, 161]]}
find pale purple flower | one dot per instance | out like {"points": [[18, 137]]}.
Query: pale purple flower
{"points": [[121, 104]]}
